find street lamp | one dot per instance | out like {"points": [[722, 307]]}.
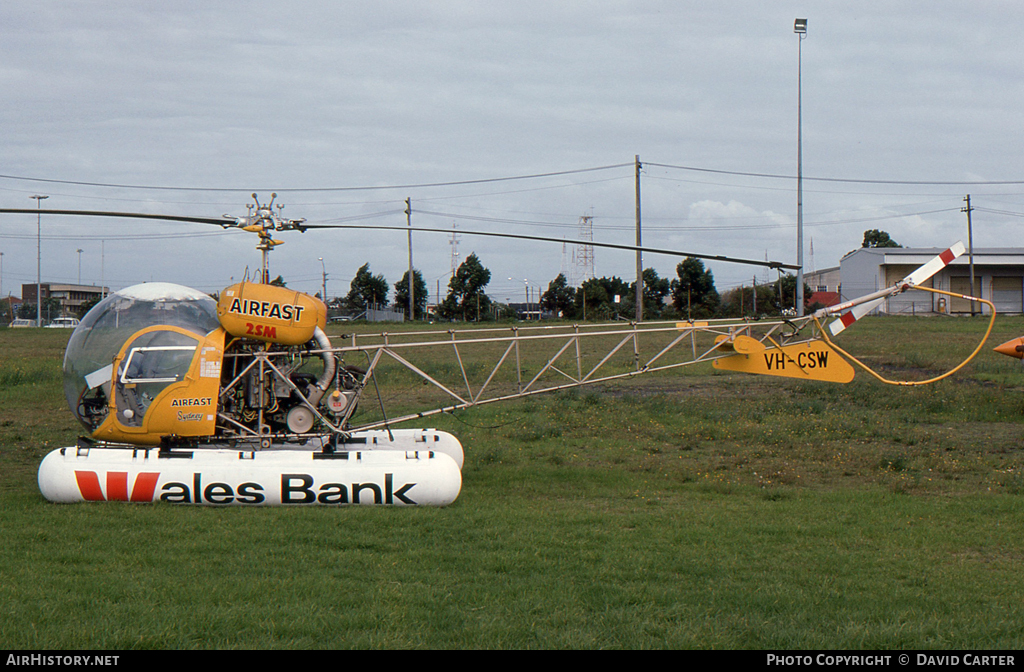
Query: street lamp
{"points": [[79, 266], [324, 268], [39, 261], [800, 28], [526, 286]]}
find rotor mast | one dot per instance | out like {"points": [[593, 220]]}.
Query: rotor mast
{"points": [[263, 221]]}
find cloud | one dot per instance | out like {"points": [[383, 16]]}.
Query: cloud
{"points": [[737, 215], [328, 94]]}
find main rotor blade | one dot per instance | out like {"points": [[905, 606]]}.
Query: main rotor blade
{"points": [[131, 215], [543, 239], [224, 221]]}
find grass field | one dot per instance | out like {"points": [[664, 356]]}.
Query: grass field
{"points": [[692, 509]]}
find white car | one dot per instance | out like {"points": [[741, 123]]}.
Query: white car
{"points": [[21, 322], [63, 323]]}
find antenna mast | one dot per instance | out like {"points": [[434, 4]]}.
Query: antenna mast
{"points": [[583, 269], [454, 242]]}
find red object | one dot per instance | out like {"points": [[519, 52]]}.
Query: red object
{"points": [[824, 298]]}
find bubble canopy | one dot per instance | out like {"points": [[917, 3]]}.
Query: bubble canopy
{"points": [[111, 323]]}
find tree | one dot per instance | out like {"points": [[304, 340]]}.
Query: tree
{"points": [[26, 310], [278, 282], [466, 299], [591, 299], [595, 299], [655, 291], [367, 290], [788, 300], [693, 292], [876, 238], [740, 301], [419, 294], [51, 309], [6, 309], [560, 298], [87, 306]]}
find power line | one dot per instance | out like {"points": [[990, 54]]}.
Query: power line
{"points": [[317, 189], [423, 185], [372, 215], [684, 227], [881, 217], [1009, 213], [837, 179]]}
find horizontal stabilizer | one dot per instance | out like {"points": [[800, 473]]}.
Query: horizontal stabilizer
{"points": [[813, 360], [742, 345]]}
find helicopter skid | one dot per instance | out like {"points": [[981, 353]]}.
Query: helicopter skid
{"points": [[220, 477], [404, 440], [407, 439]]}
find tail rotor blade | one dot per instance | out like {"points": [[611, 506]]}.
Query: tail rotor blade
{"points": [[858, 308], [935, 265], [852, 315]]}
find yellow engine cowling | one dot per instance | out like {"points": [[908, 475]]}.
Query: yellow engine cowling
{"points": [[270, 313]]}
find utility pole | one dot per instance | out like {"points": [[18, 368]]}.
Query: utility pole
{"points": [[412, 291], [639, 256], [970, 248]]}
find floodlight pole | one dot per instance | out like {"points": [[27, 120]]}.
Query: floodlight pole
{"points": [[323, 289], [800, 28], [39, 261]]}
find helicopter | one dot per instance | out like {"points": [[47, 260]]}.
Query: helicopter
{"points": [[245, 400]]}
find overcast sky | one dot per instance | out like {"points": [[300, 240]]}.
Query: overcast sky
{"points": [[344, 107]]}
